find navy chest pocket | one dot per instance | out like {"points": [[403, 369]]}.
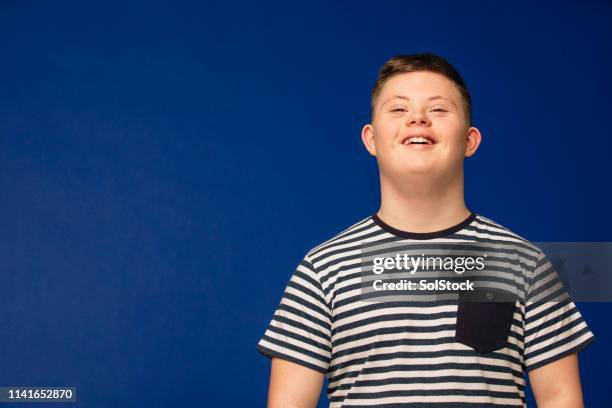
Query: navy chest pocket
{"points": [[484, 317]]}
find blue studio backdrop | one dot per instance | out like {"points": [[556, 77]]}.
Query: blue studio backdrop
{"points": [[165, 166]]}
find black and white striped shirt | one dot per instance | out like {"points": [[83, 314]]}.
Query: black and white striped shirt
{"points": [[406, 353]]}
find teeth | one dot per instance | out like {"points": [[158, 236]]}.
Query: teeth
{"points": [[418, 139]]}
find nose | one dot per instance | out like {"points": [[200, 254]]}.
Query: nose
{"points": [[418, 117]]}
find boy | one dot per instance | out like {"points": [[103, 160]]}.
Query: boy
{"points": [[408, 353]]}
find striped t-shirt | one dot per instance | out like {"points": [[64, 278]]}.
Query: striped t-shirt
{"points": [[405, 352]]}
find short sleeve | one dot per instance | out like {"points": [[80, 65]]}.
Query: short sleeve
{"points": [[300, 329], [554, 327]]}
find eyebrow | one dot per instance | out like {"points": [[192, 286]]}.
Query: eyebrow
{"points": [[431, 98]]}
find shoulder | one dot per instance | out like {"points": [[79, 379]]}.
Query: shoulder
{"points": [[486, 228], [344, 240]]}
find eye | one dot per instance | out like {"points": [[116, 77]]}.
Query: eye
{"points": [[439, 110], [398, 110]]}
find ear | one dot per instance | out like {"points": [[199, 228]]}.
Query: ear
{"points": [[473, 141], [367, 137]]}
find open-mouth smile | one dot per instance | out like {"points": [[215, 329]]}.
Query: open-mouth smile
{"points": [[419, 140]]}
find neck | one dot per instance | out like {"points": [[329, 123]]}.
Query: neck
{"points": [[418, 205]]}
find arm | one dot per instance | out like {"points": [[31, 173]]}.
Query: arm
{"points": [[558, 384], [293, 385]]}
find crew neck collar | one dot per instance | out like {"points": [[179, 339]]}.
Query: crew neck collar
{"points": [[423, 235]]}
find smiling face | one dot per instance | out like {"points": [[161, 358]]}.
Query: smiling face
{"points": [[419, 127]]}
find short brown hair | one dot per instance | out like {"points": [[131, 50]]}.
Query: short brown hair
{"points": [[400, 64]]}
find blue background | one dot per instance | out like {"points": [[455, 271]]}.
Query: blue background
{"points": [[165, 166]]}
